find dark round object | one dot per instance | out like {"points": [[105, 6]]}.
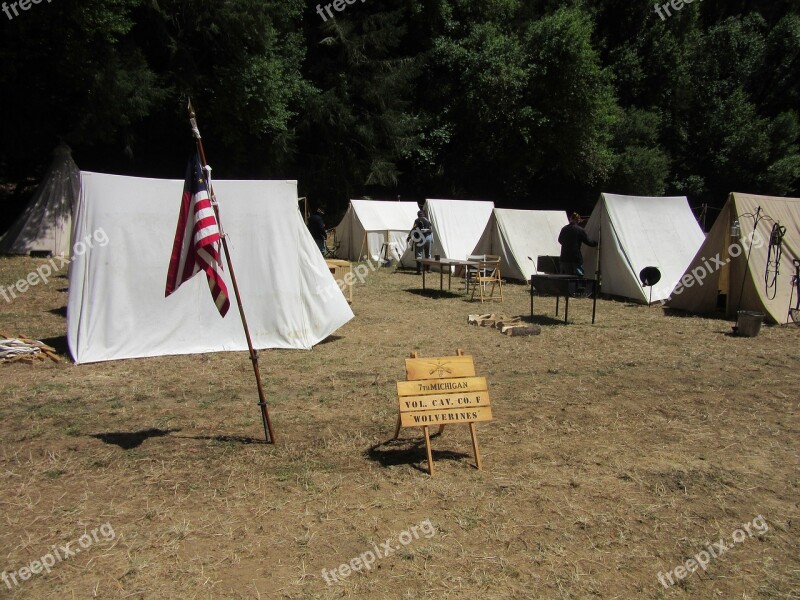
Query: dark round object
{"points": [[650, 276]]}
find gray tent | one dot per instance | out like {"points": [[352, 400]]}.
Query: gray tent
{"points": [[46, 224]]}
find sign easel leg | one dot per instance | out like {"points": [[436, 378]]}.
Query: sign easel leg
{"points": [[397, 429], [474, 435], [427, 431]]}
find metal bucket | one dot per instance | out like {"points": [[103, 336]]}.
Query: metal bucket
{"points": [[749, 323]]}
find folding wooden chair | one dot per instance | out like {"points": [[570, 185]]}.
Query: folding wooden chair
{"points": [[470, 273], [331, 244], [488, 273]]}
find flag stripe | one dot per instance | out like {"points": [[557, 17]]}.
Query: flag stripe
{"points": [[197, 238]]}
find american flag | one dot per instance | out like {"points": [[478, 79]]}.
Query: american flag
{"points": [[196, 246]]}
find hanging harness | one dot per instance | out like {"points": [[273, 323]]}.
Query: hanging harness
{"points": [[774, 254]]}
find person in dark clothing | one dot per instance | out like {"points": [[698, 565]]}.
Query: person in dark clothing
{"points": [[571, 238], [316, 225], [422, 237]]}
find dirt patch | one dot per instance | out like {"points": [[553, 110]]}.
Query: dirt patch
{"points": [[618, 451]]}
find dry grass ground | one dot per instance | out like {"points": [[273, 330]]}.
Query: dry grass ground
{"points": [[618, 451]]}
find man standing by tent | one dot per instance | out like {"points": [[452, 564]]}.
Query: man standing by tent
{"points": [[571, 238], [422, 236], [316, 225]]}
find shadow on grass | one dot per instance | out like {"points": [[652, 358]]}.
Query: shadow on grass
{"points": [[127, 440], [542, 320], [411, 452], [330, 339], [431, 293], [61, 312], [59, 343], [224, 439], [406, 271]]}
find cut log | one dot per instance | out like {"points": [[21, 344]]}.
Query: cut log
{"points": [[519, 330], [506, 322], [482, 320]]}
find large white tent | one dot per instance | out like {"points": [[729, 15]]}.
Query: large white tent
{"points": [[457, 227], [720, 269], [116, 306], [519, 237], [46, 223], [369, 224], [637, 232]]}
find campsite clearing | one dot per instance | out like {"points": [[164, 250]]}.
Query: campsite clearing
{"points": [[617, 452]]}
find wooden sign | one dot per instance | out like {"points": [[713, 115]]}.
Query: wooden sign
{"points": [[442, 391], [446, 366], [438, 401], [446, 416]]}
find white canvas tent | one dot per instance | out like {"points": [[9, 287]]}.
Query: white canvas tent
{"points": [[637, 232], [515, 235], [457, 227], [369, 224], [743, 283], [116, 306], [46, 223]]}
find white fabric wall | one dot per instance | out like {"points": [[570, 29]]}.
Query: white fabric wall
{"points": [[638, 232], [376, 218], [116, 307], [515, 235], [457, 227]]}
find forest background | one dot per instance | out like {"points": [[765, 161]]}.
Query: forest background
{"points": [[529, 103]]}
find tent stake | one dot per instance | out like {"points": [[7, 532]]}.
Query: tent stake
{"points": [[269, 434]]}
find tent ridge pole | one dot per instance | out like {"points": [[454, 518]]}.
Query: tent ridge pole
{"points": [[262, 399]]}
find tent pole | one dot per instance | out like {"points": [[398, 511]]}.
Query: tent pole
{"points": [[267, 422], [756, 218], [597, 275], [363, 243]]}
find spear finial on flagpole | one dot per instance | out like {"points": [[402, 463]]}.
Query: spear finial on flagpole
{"points": [[193, 121], [267, 422]]}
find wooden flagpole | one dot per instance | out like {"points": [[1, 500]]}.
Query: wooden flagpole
{"points": [[268, 432]]}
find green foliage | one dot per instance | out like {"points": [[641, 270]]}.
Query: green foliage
{"points": [[538, 103], [642, 166], [571, 97]]}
